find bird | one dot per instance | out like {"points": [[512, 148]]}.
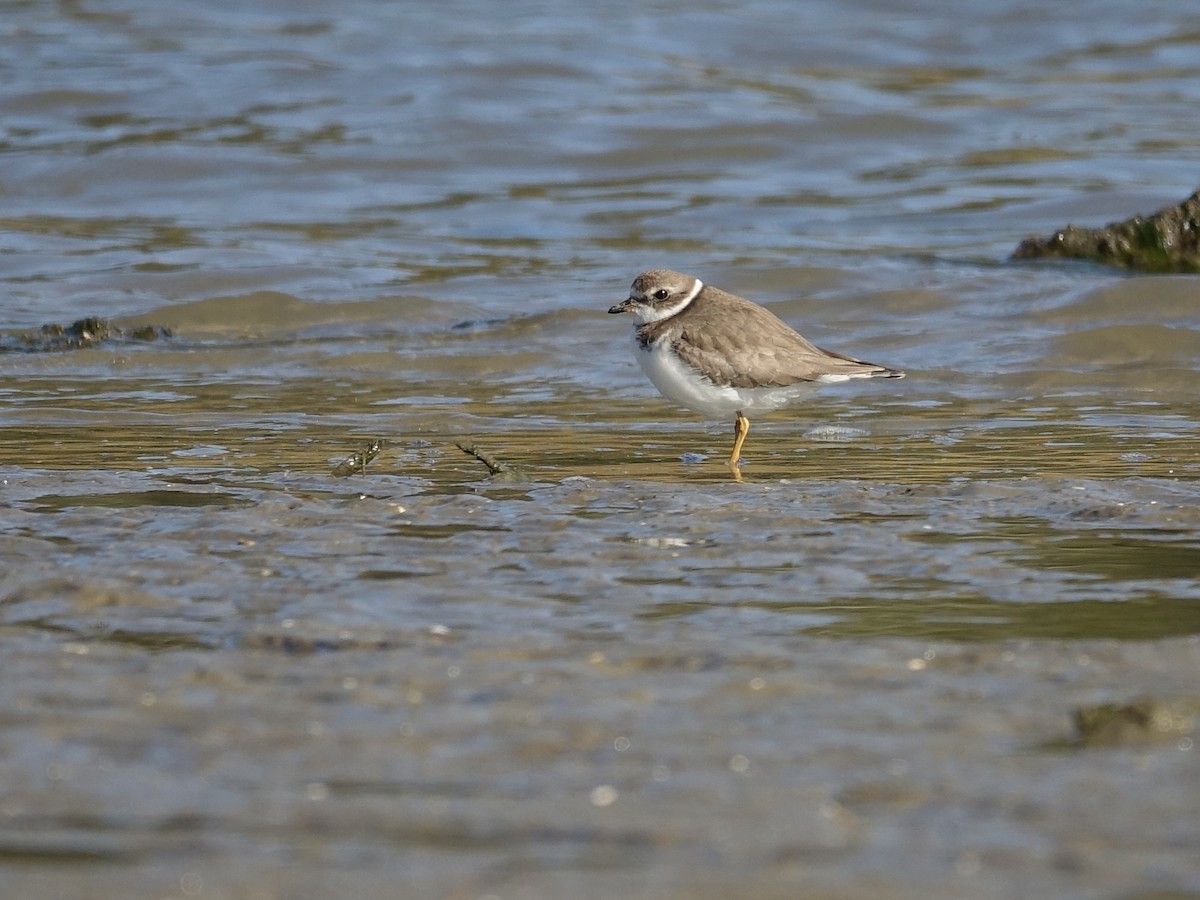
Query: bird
{"points": [[719, 354]]}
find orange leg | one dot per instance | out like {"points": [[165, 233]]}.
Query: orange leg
{"points": [[741, 428]]}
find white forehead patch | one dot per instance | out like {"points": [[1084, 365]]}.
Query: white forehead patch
{"points": [[662, 311]]}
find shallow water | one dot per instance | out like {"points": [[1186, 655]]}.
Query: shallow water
{"points": [[606, 669]]}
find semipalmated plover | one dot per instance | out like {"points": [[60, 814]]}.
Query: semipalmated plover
{"points": [[719, 354]]}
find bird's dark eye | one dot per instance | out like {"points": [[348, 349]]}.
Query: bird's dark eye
{"points": [[662, 294]]}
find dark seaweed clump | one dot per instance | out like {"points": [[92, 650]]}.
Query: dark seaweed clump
{"points": [[80, 334], [1167, 241]]}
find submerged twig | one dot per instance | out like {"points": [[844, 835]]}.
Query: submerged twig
{"points": [[356, 463], [494, 466]]}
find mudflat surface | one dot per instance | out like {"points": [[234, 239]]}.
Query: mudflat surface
{"points": [[943, 640]]}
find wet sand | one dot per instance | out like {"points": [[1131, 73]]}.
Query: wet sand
{"points": [[942, 642], [287, 684]]}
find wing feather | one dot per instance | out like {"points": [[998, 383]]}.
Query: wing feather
{"points": [[769, 352]]}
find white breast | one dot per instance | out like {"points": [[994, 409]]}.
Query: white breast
{"points": [[679, 382]]}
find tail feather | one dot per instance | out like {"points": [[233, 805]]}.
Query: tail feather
{"points": [[868, 370]]}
